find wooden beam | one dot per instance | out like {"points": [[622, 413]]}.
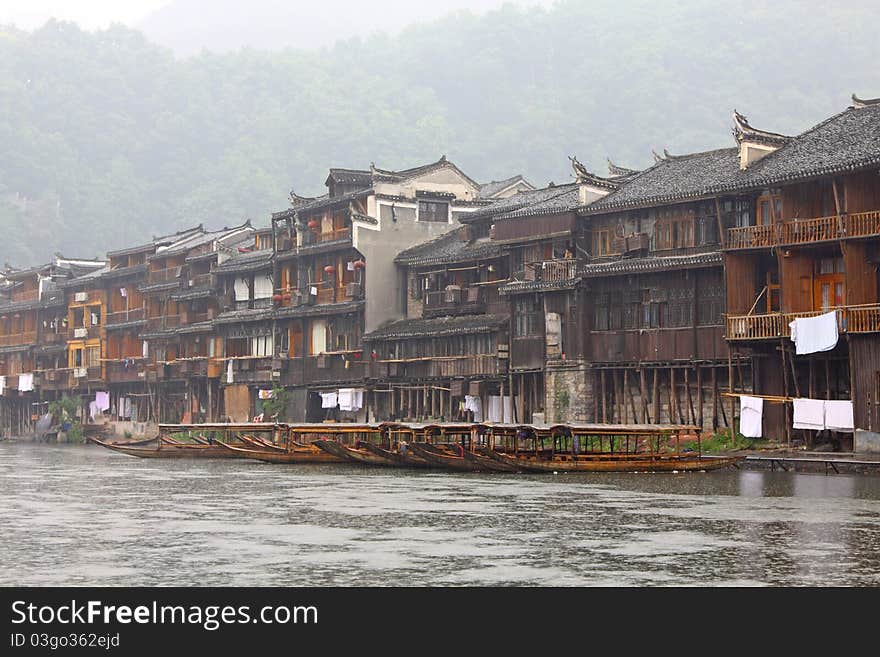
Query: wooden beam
{"points": [[643, 394]]}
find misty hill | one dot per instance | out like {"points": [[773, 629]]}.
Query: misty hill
{"points": [[106, 139], [188, 26]]}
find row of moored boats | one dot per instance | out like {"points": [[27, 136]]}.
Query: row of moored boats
{"points": [[468, 447]]}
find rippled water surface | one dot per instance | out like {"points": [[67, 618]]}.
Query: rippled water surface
{"points": [[75, 515]]}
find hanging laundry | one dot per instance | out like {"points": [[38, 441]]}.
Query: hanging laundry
{"points": [[751, 410], [809, 414], [2, 384], [839, 416], [26, 382], [128, 408], [229, 375], [102, 399], [812, 334], [350, 399], [123, 292], [494, 412], [328, 399], [474, 404], [93, 411], [266, 394]]}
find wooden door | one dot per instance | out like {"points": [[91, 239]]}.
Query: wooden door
{"points": [[829, 284]]}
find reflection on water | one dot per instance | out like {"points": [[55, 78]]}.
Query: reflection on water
{"points": [[86, 516]]}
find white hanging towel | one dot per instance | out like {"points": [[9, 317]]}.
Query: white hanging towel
{"points": [[508, 409], [328, 399], [809, 414], [2, 384], [102, 400], [229, 375], [473, 403], [751, 412], [26, 382], [812, 334], [350, 399], [839, 416]]}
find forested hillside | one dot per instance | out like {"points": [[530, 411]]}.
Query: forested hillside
{"points": [[106, 139]]}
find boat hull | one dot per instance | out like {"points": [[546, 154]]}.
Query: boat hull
{"points": [[351, 454], [614, 464], [170, 451], [301, 455]]}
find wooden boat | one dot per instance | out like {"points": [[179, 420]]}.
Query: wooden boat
{"points": [[441, 458], [169, 450], [611, 462], [486, 464], [403, 459], [299, 455], [355, 454], [259, 443], [137, 442]]}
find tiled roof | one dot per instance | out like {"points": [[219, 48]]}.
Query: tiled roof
{"points": [[194, 293], [410, 328], [447, 248], [524, 202], [488, 190], [674, 178], [249, 261], [244, 315], [121, 272], [522, 287], [319, 309], [661, 263], [847, 141]]}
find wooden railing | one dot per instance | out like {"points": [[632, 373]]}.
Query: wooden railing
{"points": [[83, 332], [329, 236], [805, 231], [122, 316], [163, 275], [29, 295], [468, 299], [554, 271], [750, 237], [850, 319], [203, 280], [28, 337], [163, 322]]}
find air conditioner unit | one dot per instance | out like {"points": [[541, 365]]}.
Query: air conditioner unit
{"points": [[80, 332], [80, 372], [81, 296]]}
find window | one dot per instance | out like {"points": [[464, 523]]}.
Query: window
{"points": [[262, 345], [601, 242], [526, 317], [601, 315], [433, 211]]}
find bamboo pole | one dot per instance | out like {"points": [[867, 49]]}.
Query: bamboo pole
{"points": [[643, 393]]}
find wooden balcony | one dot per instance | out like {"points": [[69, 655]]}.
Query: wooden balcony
{"points": [[163, 323], [124, 371], [433, 367], [163, 275], [84, 332], [850, 319], [122, 316], [551, 271], [331, 235], [805, 231], [28, 337], [454, 301]]}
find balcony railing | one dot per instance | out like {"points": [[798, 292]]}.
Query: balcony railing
{"points": [[805, 231], [331, 235], [28, 337], [468, 299], [850, 319], [552, 270], [202, 280], [163, 275], [83, 332], [122, 316], [163, 322]]}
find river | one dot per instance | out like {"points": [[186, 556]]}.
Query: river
{"points": [[82, 515]]}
